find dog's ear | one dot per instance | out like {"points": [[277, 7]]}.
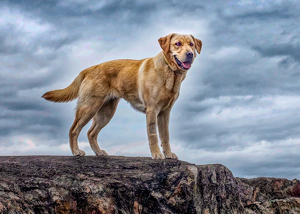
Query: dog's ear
{"points": [[164, 42], [198, 44]]}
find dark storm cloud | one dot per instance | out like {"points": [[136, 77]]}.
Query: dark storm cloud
{"points": [[259, 10], [287, 50], [22, 106], [219, 136], [10, 85], [8, 44], [243, 27], [27, 111], [275, 166], [86, 13], [6, 131], [263, 15], [20, 88], [27, 120], [11, 41]]}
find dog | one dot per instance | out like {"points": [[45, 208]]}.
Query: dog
{"points": [[150, 85]]}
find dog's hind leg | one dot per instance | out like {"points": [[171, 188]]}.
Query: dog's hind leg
{"points": [[100, 120], [86, 110]]}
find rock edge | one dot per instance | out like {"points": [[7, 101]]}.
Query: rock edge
{"points": [[136, 185]]}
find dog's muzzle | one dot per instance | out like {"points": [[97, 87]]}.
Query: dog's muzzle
{"points": [[186, 64]]}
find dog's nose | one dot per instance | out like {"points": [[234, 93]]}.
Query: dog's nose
{"points": [[189, 55]]}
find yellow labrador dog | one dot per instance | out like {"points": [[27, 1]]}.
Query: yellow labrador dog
{"points": [[150, 85]]}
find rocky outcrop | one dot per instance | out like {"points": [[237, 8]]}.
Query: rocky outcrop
{"points": [[55, 184], [269, 195]]}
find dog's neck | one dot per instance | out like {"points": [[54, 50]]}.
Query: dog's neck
{"points": [[173, 77], [172, 67]]}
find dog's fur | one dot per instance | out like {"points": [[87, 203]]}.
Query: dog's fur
{"points": [[150, 85]]}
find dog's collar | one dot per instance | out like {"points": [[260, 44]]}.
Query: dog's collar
{"points": [[166, 61]]}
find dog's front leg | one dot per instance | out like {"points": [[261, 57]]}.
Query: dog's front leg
{"points": [[152, 134], [163, 128]]}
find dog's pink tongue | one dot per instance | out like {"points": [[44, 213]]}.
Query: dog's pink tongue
{"points": [[186, 64]]}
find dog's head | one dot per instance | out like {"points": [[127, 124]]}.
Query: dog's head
{"points": [[180, 50]]}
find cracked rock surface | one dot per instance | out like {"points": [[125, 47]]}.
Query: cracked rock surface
{"points": [[136, 185]]}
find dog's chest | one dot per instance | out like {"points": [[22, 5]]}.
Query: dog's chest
{"points": [[170, 92], [167, 100], [138, 106], [161, 93]]}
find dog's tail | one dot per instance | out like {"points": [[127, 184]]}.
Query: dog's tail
{"points": [[66, 94]]}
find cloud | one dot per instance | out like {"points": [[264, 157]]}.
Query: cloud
{"points": [[260, 10], [238, 105], [240, 121], [287, 50], [260, 158]]}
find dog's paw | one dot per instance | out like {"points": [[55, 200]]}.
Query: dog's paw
{"points": [[171, 156], [79, 153], [157, 156], [102, 153]]}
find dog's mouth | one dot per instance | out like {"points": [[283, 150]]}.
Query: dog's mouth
{"points": [[184, 65]]}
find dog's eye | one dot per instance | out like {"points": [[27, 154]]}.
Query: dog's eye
{"points": [[178, 44], [191, 44]]}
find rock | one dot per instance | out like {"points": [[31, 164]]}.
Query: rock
{"points": [[134, 185], [277, 206], [269, 195]]}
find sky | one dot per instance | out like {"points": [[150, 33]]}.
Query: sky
{"points": [[238, 106]]}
